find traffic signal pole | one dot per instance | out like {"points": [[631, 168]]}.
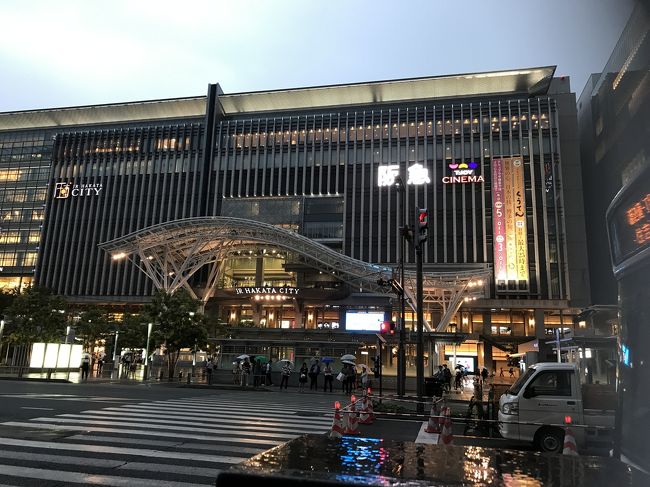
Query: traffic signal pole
{"points": [[401, 352], [421, 237]]}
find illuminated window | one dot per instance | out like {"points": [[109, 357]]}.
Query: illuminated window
{"points": [[9, 237], [38, 215], [10, 174], [29, 259], [34, 237], [7, 259]]}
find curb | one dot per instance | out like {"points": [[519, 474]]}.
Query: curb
{"points": [[37, 379]]}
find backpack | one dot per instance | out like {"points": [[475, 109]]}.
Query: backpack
{"points": [[446, 373]]}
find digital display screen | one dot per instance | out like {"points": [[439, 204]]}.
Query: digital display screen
{"points": [[364, 321], [629, 222]]}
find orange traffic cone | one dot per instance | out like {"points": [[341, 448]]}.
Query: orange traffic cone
{"points": [[447, 436], [337, 424], [371, 411], [352, 427], [433, 426], [364, 417], [570, 447]]}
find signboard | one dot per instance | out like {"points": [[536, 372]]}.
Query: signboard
{"points": [[64, 189], [509, 224], [463, 172], [417, 174], [267, 291], [364, 321]]}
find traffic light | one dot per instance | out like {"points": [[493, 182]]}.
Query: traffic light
{"points": [[384, 327], [392, 327], [423, 224]]}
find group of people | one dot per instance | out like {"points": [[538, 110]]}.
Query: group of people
{"points": [[88, 361], [446, 376], [243, 369]]}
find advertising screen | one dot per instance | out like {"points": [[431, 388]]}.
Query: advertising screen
{"points": [[364, 321]]}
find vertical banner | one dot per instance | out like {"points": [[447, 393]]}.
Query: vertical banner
{"points": [[509, 224], [508, 203], [521, 238], [498, 225]]}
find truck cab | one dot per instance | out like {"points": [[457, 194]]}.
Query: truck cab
{"points": [[546, 397]]}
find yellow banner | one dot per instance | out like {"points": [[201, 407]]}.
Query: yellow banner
{"points": [[519, 214], [508, 203]]}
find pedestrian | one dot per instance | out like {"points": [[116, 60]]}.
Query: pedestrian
{"points": [[236, 372], [245, 372], [267, 373], [501, 372], [209, 366], [447, 377], [350, 376], [257, 373], [85, 366], [329, 377], [458, 383], [100, 364], [512, 372], [484, 374], [286, 372], [364, 378], [302, 378], [314, 371]]}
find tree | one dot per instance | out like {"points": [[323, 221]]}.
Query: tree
{"points": [[133, 331], [37, 315], [93, 324], [176, 324]]}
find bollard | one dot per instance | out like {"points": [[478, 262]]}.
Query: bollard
{"points": [[180, 376], [160, 377], [189, 378]]}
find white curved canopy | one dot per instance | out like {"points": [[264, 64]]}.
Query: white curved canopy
{"points": [[171, 252]]}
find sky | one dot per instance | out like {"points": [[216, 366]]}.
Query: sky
{"points": [[84, 52]]}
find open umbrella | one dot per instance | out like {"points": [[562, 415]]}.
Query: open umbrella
{"points": [[261, 358], [242, 357], [349, 356], [327, 360], [286, 360], [349, 362]]}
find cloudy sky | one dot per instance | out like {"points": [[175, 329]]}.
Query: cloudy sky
{"points": [[82, 52]]}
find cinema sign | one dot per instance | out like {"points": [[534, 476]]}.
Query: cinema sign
{"points": [[464, 172]]}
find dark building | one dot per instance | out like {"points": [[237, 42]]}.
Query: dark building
{"points": [[494, 157]]}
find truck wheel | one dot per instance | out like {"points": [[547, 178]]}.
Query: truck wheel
{"points": [[550, 440]]}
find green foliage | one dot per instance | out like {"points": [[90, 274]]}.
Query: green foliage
{"points": [[93, 324], [176, 323], [37, 314], [133, 331]]}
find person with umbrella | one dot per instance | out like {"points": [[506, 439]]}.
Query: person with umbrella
{"points": [[328, 373], [349, 376], [267, 372], [257, 372]]}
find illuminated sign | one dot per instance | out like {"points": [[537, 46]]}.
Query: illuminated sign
{"points": [[629, 222], [386, 175], [64, 190], [464, 172], [267, 291], [509, 224]]}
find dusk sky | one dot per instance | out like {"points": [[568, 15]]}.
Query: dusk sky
{"points": [[69, 53]]}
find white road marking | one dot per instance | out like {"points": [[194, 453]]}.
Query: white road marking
{"points": [[428, 438], [179, 469], [50, 445], [163, 427], [87, 478], [40, 409], [171, 434]]}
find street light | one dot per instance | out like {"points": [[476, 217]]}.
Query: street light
{"points": [[146, 351]]}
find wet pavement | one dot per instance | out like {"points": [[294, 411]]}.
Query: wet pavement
{"points": [[316, 460]]}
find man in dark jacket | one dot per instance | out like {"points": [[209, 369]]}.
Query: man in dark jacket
{"points": [[314, 370]]}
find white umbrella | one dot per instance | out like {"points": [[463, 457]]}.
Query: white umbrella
{"points": [[243, 357], [285, 360], [349, 362], [349, 356]]}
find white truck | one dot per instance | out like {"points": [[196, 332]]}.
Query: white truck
{"points": [[547, 396]]}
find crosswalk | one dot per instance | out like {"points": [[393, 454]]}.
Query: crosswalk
{"points": [[169, 443]]}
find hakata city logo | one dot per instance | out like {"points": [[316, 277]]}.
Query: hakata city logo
{"points": [[464, 172], [65, 190]]}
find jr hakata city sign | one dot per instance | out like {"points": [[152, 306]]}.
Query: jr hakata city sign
{"points": [[65, 190], [269, 291]]}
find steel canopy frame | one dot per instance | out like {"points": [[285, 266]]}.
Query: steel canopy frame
{"points": [[170, 253]]}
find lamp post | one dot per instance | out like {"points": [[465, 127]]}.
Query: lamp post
{"points": [[115, 364], [2, 330], [404, 232], [146, 352]]}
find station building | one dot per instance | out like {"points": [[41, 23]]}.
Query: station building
{"points": [[281, 209]]}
